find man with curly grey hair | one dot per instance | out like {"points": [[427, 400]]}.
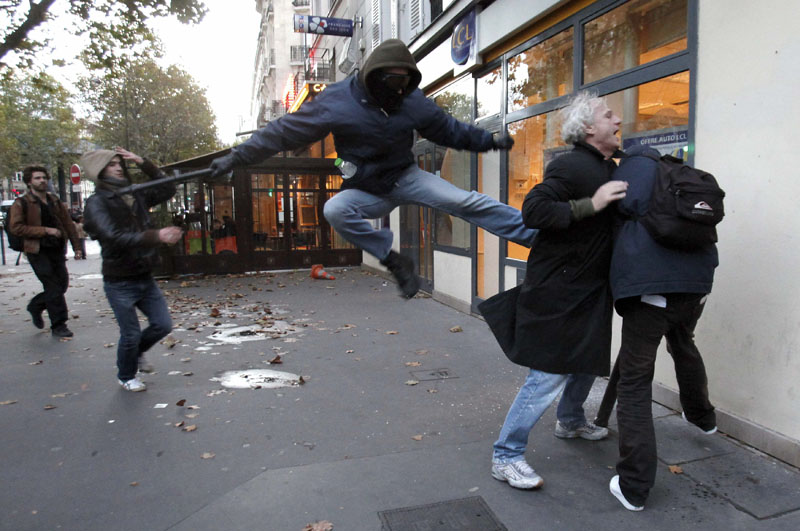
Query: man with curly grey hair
{"points": [[563, 310]]}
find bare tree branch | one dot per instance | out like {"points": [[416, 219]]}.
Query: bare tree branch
{"points": [[16, 38]]}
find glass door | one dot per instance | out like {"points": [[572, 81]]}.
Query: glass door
{"points": [[417, 224]]}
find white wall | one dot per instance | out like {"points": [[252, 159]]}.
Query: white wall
{"points": [[747, 113], [452, 274]]}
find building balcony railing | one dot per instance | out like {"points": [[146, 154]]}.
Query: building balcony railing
{"points": [[298, 54], [301, 3], [320, 67]]}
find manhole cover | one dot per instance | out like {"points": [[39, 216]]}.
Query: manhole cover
{"points": [[435, 374], [466, 514]]}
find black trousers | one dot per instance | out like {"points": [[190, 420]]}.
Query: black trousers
{"points": [[643, 326], [51, 270]]}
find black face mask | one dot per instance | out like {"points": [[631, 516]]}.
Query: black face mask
{"points": [[389, 90]]}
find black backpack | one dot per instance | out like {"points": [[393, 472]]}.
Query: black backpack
{"points": [[16, 243], [685, 206]]}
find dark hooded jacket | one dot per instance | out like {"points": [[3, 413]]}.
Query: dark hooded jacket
{"points": [[127, 239], [376, 140]]}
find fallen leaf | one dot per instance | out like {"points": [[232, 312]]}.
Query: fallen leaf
{"points": [[108, 345], [433, 390], [349, 351], [456, 329], [7, 402], [190, 427], [412, 382], [277, 359], [421, 352], [186, 360], [60, 395], [180, 402], [301, 380], [49, 406], [675, 469], [322, 525], [133, 483], [192, 415], [391, 333], [179, 424], [188, 373], [208, 455], [214, 312], [192, 407], [413, 364], [417, 437], [36, 362]]}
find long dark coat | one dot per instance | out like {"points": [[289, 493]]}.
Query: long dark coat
{"points": [[559, 319]]}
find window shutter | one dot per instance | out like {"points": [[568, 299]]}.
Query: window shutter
{"points": [[376, 23], [414, 17]]}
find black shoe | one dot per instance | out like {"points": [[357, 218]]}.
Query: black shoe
{"points": [[402, 268], [62, 331], [36, 318]]}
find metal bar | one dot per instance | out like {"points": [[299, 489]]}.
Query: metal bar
{"points": [[166, 180], [609, 398]]}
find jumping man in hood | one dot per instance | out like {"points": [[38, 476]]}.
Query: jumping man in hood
{"points": [[373, 116]]}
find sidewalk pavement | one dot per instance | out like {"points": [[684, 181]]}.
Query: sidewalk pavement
{"points": [[401, 403]]}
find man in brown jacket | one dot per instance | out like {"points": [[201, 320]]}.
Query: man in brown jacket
{"points": [[43, 221]]}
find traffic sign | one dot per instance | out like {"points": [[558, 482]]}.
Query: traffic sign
{"points": [[75, 174]]}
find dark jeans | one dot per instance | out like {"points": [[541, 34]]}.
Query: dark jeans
{"points": [[643, 326], [125, 296], [50, 268]]}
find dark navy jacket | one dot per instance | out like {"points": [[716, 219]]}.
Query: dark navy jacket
{"points": [[377, 142], [639, 265]]}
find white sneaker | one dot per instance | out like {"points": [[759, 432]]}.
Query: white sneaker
{"points": [[712, 431], [133, 385], [613, 486], [518, 474]]}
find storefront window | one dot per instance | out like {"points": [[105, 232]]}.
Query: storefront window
{"points": [[490, 93], [633, 34], [655, 114], [268, 211], [537, 141], [540, 73], [453, 165]]}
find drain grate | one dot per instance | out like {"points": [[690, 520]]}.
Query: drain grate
{"points": [[466, 514], [435, 374]]}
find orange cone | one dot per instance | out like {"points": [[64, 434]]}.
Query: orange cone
{"points": [[320, 274]]}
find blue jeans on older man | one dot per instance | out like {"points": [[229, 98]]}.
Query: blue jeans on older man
{"points": [[349, 210], [533, 399], [125, 296]]}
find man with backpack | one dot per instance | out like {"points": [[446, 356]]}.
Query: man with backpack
{"points": [[660, 290], [43, 222]]}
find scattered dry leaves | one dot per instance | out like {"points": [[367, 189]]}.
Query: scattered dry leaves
{"points": [[675, 469], [322, 525]]}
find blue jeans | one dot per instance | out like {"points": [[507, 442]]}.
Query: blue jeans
{"points": [[349, 210], [125, 296], [533, 399]]}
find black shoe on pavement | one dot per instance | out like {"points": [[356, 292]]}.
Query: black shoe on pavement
{"points": [[36, 318], [402, 268], [62, 331]]}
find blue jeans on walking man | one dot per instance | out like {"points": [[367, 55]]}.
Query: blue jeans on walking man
{"points": [[349, 210], [533, 399], [125, 296]]}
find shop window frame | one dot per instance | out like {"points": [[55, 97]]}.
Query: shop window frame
{"points": [[684, 60]]}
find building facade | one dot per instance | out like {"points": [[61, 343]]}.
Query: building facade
{"points": [[702, 79]]}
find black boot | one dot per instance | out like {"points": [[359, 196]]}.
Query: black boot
{"points": [[36, 317], [402, 268]]}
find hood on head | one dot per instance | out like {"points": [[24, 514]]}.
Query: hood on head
{"points": [[93, 162], [390, 53]]}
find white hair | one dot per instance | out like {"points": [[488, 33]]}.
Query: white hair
{"points": [[578, 115]]}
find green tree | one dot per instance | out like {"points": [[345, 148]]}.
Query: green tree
{"points": [[157, 112], [114, 27], [37, 123]]}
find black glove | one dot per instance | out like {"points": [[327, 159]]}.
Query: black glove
{"points": [[222, 165], [502, 141]]}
